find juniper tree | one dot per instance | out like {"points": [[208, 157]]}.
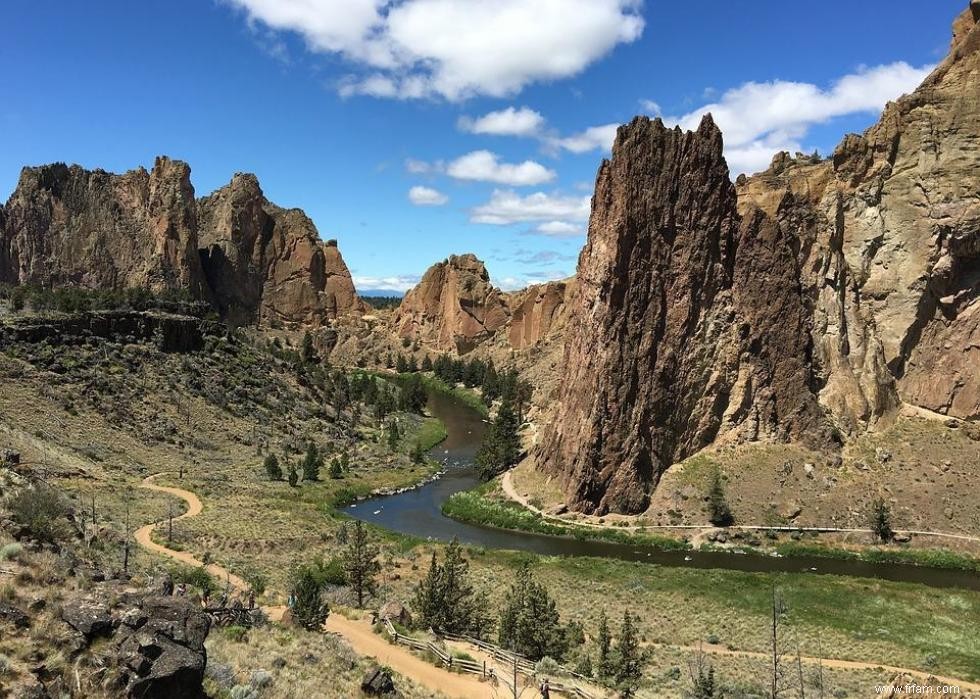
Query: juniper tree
{"points": [[272, 468], [361, 563], [604, 643], [529, 622], [501, 445], [629, 657], [309, 610], [719, 513], [312, 463], [881, 521]]}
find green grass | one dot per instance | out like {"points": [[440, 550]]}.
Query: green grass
{"points": [[430, 433], [476, 508], [930, 558]]}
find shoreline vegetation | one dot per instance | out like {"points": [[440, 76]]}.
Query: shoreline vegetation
{"points": [[478, 507]]}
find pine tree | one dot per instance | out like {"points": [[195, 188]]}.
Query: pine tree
{"points": [[401, 364], [361, 563], [309, 610], [501, 445], [312, 463], [393, 436], [446, 600], [413, 395], [272, 468], [418, 454], [308, 351], [629, 658], [604, 642], [881, 521], [428, 598], [293, 476], [529, 622], [426, 363], [336, 469], [719, 513]]}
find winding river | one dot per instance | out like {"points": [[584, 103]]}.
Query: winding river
{"points": [[418, 512]]}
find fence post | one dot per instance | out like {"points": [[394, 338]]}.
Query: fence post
{"points": [[484, 669]]}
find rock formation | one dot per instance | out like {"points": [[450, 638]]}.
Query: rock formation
{"points": [[453, 307], [664, 352], [70, 226], [819, 296], [258, 263], [537, 313], [267, 264]]}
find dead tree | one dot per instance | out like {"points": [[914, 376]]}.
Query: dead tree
{"points": [[779, 672]]}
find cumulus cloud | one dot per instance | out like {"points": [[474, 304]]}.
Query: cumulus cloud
{"points": [[504, 122], [400, 283], [760, 119], [426, 196], [484, 166], [453, 48], [507, 206], [593, 138]]}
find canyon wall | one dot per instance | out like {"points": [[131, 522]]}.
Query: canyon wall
{"points": [[804, 303], [256, 262]]}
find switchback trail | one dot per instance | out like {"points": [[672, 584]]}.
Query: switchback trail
{"points": [[359, 635], [365, 642]]}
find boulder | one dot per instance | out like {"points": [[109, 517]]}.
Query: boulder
{"points": [[14, 616], [377, 682], [91, 618], [396, 612]]}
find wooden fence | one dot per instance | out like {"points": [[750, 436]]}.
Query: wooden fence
{"points": [[516, 664]]}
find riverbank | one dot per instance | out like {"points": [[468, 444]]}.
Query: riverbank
{"points": [[491, 505]]}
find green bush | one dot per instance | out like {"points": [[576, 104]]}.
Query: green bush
{"points": [[41, 510], [11, 552]]}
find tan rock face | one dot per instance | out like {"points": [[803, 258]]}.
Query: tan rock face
{"points": [[268, 264], [256, 262], [825, 292], [537, 313], [669, 345], [66, 225], [453, 308]]}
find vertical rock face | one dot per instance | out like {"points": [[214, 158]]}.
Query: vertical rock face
{"points": [[453, 307], [256, 262], [537, 313], [825, 293], [662, 356], [267, 264], [66, 225]]}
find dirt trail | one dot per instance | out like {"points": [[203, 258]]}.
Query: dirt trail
{"points": [[364, 641], [358, 634], [507, 485]]}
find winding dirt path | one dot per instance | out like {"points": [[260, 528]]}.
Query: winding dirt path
{"points": [[365, 642], [358, 634]]}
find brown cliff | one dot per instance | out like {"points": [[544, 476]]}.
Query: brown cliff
{"points": [[663, 355], [537, 313], [268, 265], [454, 307], [825, 292], [70, 226], [256, 262]]}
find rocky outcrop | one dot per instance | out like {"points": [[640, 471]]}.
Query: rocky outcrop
{"points": [[669, 343], [453, 308], [267, 264], [171, 333], [256, 262], [537, 313], [67, 226], [820, 296], [889, 232]]}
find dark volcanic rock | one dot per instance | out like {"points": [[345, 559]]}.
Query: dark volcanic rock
{"points": [[91, 618], [662, 354]]}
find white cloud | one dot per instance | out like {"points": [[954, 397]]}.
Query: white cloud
{"points": [[594, 138], [419, 167], [761, 119], [507, 206], [400, 283], [484, 166], [426, 196], [454, 48], [504, 122], [559, 228], [651, 107]]}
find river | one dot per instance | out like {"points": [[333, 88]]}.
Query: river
{"points": [[418, 512]]}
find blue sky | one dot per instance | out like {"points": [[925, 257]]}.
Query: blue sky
{"points": [[370, 114]]}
